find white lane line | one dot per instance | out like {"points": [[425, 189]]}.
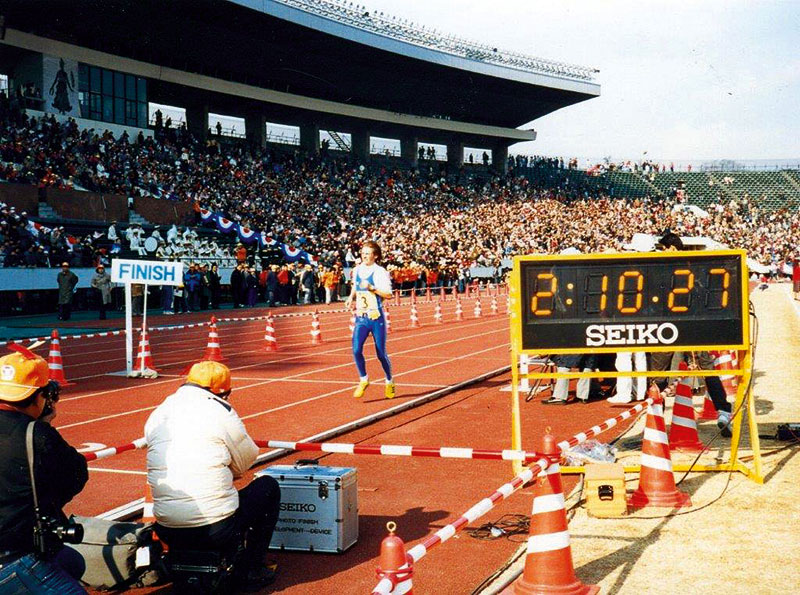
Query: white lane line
{"points": [[348, 364], [311, 354], [121, 471]]}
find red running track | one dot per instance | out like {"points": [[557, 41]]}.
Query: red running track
{"points": [[303, 390]]}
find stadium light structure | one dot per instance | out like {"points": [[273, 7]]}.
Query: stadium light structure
{"points": [[404, 30]]}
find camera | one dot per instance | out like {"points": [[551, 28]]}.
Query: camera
{"points": [[49, 534]]}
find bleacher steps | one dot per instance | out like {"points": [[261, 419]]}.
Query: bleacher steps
{"points": [[134, 217]]}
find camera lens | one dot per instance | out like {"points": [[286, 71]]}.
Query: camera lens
{"points": [[70, 533]]}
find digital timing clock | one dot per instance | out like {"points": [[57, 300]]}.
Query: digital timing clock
{"points": [[661, 301]]}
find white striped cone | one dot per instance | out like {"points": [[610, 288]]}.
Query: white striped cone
{"points": [[683, 430], [394, 566], [494, 306], [213, 351], [428, 295], [316, 333], [459, 311], [477, 312], [437, 314], [414, 318], [144, 359], [442, 294], [270, 342], [508, 303], [723, 360], [524, 370], [548, 561], [55, 363], [656, 481], [388, 317]]}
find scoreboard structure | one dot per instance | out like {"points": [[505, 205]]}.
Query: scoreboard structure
{"points": [[633, 301]]}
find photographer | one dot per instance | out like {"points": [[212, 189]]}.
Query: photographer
{"points": [[196, 446], [29, 565]]}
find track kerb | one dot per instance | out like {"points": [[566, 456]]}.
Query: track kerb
{"points": [[459, 311], [395, 568], [683, 430], [54, 361], [548, 563], [656, 481], [437, 313]]}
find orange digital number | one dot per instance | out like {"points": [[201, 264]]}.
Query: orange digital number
{"points": [[689, 276], [535, 305], [722, 291], [591, 303], [625, 291]]}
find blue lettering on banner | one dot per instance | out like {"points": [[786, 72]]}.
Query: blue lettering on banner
{"points": [[141, 272], [124, 269], [169, 274], [157, 273]]}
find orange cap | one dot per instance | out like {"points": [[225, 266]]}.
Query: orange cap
{"points": [[20, 376], [214, 376]]}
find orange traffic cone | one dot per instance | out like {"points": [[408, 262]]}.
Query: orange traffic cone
{"points": [[477, 312], [270, 342], [414, 318], [709, 411], [396, 297], [427, 295], [656, 481], [55, 363], [459, 311], [548, 563], [395, 568], [213, 351], [683, 430], [316, 333], [437, 313], [494, 306], [724, 360], [388, 318], [144, 359], [442, 294]]}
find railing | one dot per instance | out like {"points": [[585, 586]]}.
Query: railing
{"points": [[404, 30]]}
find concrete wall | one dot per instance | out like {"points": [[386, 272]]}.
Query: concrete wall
{"points": [[23, 197]]}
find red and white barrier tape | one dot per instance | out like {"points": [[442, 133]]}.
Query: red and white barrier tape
{"points": [[443, 452], [416, 553], [115, 450]]}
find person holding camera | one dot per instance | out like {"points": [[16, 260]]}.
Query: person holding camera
{"points": [[32, 523], [196, 446]]}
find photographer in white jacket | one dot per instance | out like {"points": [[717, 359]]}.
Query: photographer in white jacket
{"points": [[196, 447]]}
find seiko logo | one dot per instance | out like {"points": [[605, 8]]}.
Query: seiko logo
{"points": [[298, 507], [598, 335]]}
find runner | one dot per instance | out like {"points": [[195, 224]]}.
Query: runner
{"points": [[371, 285]]}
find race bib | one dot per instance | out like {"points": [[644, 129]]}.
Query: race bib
{"points": [[367, 304]]}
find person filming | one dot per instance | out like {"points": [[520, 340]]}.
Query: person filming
{"points": [[196, 446], [32, 556]]}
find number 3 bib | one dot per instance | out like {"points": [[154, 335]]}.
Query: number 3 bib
{"points": [[367, 304]]}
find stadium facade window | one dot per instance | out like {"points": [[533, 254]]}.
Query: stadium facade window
{"points": [[283, 134], [390, 147], [111, 96]]}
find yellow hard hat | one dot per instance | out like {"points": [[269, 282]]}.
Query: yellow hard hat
{"points": [[214, 376], [21, 376]]}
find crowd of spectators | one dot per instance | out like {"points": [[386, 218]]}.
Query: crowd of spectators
{"points": [[425, 221]]}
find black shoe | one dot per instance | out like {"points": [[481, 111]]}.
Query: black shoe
{"points": [[257, 579], [584, 401], [554, 401]]}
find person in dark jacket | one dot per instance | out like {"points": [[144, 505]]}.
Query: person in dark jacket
{"points": [[251, 287], [102, 283], [237, 285], [26, 394], [191, 281], [307, 284], [67, 280], [214, 287], [272, 285]]}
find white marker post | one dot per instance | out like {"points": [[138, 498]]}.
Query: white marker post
{"points": [[145, 272]]}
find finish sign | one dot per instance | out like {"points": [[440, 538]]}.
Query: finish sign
{"points": [[146, 272]]}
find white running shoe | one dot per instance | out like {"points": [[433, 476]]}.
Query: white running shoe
{"points": [[618, 400]]}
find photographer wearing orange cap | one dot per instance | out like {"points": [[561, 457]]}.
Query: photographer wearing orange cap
{"points": [[196, 446], [32, 556]]}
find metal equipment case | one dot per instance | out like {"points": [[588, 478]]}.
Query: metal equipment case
{"points": [[319, 508]]}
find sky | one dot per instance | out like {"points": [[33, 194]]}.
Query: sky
{"points": [[680, 81]]}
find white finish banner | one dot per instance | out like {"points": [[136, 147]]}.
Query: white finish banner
{"points": [[146, 272]]}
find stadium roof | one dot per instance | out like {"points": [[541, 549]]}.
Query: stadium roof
{"points": [[322, 50]]}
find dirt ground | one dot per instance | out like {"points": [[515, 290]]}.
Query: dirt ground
{"points": [[739, 536]]}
